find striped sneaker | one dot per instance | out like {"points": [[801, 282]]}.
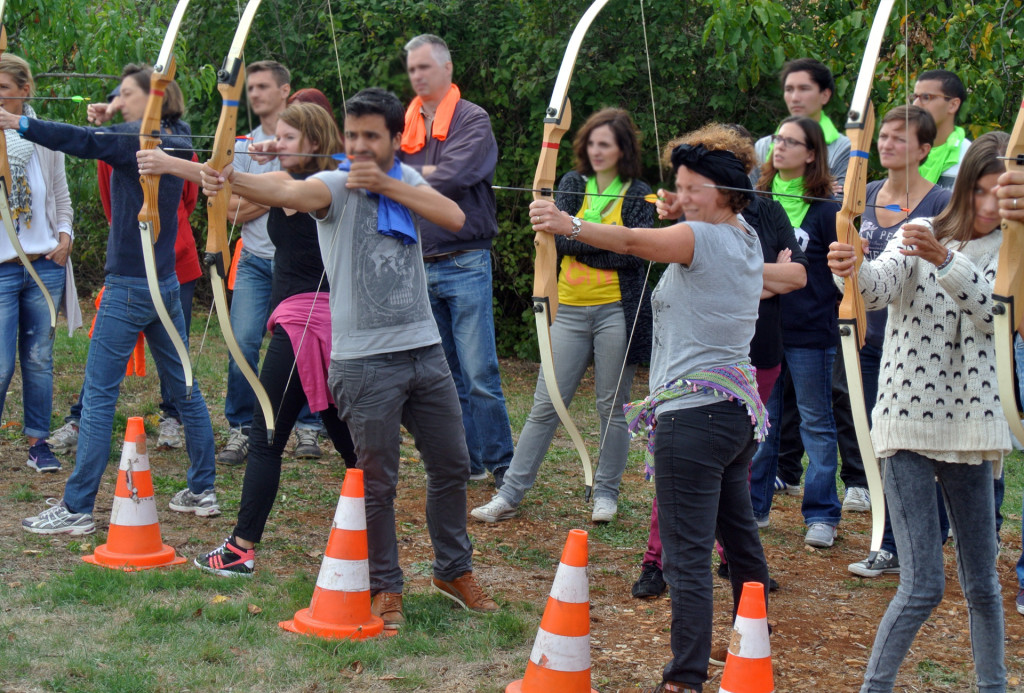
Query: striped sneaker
{"points": [[57, 519], [228, 560], [202, 504]]}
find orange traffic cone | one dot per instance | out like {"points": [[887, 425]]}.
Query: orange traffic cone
{"points": [[340, 607], [560, 660], [748, 666], [133, 541]]}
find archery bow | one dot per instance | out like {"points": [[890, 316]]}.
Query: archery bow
{"points": [[5, 207], [557, 119], [230, 82], [860, 128], [1007, 309], [149, 215]]}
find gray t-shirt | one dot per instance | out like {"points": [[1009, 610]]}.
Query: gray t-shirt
{"points": [[379, 301], [705, 313], [254, 232]]}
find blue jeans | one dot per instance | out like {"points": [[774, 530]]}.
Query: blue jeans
{"points": [[460, 298], [250, 310], [25, 332], [1018, 358], [578, 334], [127, 309], [910, 492], [186, 292], [811, 372], [700, 458]]}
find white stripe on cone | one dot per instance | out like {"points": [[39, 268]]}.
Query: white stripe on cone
{"points": [[350, 514], [570, 585], [751, 634], [339, 575], [561, 652], [128, 512], [131, 461]]}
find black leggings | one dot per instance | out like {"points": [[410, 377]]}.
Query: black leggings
{"points": [[263, 470]]}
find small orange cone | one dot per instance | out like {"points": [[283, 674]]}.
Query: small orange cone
{"points": [[340, 607], [748, 666], [560, 660], [133, 540]]}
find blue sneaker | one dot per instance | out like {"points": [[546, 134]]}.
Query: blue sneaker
{"points": [[42, 459]]}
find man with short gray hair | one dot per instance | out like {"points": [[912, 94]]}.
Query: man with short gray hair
{"points": [[449, 140]]}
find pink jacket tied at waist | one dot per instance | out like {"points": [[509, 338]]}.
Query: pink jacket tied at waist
{"points": [[307, 320]]}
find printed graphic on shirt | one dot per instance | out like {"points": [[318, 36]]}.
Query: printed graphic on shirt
{"points": [[387, 277]]}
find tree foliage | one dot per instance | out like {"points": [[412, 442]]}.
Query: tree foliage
{"points": [[709, 60]]}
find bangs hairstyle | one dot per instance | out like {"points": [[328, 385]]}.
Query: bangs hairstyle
{"points": [[717, 137], [956, 221], [627, 138], [817, 179], [319, 132], [174, 101], [19, 70], [917, 119], [377, 101]]}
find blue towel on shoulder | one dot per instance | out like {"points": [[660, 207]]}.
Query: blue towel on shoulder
{"points": [[393, 218]]}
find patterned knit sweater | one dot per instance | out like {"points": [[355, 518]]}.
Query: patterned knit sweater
{"points": [[938, 393]]}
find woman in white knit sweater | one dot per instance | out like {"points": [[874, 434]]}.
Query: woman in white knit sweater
{"points": [[938, 414]]}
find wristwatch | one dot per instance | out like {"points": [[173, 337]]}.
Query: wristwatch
{"points": [[22, 125], [577, 226]]}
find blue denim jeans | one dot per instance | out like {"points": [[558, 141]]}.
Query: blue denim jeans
{"points": [[25, 333], [186, 292], [250, 310], [127, 309], [579, 334], [1018, 358], [811, 372], [460, 297], [910, 492], [700, 459]]}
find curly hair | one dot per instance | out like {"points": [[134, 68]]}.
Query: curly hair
{"points": [[718, 137]]}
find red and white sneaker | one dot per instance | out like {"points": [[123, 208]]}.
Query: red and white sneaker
{"points": [[228, 560]]}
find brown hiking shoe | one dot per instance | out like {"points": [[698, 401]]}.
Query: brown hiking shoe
{"points": [[388, 605], [464, 591]]}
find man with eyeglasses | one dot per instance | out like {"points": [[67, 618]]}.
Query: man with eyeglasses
{"points": [[941, 93], [807, 86]]}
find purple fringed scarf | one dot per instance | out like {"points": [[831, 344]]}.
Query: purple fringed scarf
{"points": [[732, 382]]}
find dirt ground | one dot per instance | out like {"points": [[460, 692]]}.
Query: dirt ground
{"points": [[824, 618]]}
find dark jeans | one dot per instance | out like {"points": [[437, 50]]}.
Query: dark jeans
{"points": [[701, 458], [263, 470], [375, 396], [791, 447]]}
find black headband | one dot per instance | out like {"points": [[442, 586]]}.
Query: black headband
{"points": [[719, 165]]}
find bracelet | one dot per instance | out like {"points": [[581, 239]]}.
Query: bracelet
{"points": [[22, 125], [945, 263], [577, 226]]}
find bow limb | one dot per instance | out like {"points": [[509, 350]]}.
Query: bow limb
{"points": [[860, 127], [557, 119], [149, 215], [230, 82], [5, 208], [1008, 292]]}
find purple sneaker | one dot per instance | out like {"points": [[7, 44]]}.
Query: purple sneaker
{"points": [[42, 459]]}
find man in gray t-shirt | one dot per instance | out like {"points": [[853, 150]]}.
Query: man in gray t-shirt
{"points": [[387, 365]]}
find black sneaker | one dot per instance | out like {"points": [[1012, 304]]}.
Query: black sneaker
{"points": [[723, 570], [42, 459], [228, 560], [499, 477], [650, 584]]}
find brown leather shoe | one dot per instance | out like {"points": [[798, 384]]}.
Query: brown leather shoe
{"points": [[388, 606], [464, 591], [718, 655]]}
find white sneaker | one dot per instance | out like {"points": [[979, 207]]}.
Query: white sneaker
{"points": [[497, 510], [604, 510], [57, 519], [171, 433], [820, 535], [857, 500], [64, 438]]}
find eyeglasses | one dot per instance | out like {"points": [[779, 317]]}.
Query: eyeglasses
{"points": [[780, 141], [926, 98]]}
